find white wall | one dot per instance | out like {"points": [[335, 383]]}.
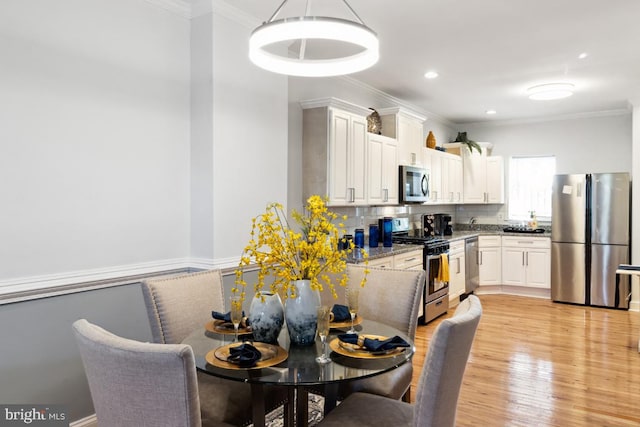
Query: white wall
{"points": [[249, 139], [94, 136], [592, 144]]}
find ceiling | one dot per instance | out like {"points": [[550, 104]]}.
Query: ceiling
{"points": [[487, 53]]}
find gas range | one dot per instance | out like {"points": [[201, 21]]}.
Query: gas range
{"points": [[433, 245], [403, 234]]}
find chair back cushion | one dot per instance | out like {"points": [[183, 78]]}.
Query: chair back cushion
{"points": [[134, 383], [390, 296], [444, 366], [176, 306]]}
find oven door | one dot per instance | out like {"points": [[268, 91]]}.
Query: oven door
{"points": [[433, 267], [436, 291]]}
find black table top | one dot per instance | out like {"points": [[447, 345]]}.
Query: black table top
{"points": [[301, 368]]}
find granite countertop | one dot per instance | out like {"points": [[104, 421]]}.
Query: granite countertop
{"points": [[381, 252], [462, 231]]}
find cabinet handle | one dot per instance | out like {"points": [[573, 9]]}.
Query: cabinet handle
{"points": [[386, 195], [527, 257], [451, 197], [523, 258], [479, 257], [410, 259], [458, 266], [352, 195]]}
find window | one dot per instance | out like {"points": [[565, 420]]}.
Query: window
{"points": [[530, 182]]}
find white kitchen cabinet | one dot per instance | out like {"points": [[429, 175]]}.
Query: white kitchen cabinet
{"points": [[495, 179], [457, 273], [383, 262], [409, 260], [452, 178], [382, 166], [483, 175], [483, 178], [334, 151], [405, 126], [445, 176], [432, 161], [526, 261], [490, 260]]}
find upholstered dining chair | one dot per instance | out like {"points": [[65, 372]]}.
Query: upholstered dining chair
{"points": [[134, 383], [391, 297], [439, 386], [178, 305]]}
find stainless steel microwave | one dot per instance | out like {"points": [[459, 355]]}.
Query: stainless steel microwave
{"points": [[414, 184]]}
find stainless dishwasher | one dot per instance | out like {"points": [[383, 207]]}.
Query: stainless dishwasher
{"points": [[472, 265]]}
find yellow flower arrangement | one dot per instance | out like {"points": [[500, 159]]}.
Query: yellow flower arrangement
{"points": [[288, 255]]}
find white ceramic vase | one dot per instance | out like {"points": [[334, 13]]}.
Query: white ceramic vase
{"points": [[266, 316], [301, 313]]}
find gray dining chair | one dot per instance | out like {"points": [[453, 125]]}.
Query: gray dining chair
{"points": [[135, 384], [391, 297], [439, 386], [178, 305]]}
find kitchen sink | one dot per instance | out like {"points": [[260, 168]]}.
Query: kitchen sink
{"points": [[523, 230]]}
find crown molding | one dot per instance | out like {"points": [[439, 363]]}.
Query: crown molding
{"points": [[335, 103], [222, 8], [396, 101], [575, 116], [178, 7]]}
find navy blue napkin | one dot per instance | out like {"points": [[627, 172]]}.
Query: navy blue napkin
{"points": [[340, 313], [375, 344], [245, 355]]}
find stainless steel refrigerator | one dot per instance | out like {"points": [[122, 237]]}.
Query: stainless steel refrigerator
{"points": [[590, 238]]}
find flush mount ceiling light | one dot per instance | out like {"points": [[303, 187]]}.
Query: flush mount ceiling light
{"points": [[431, 74], [360, 50], [550, 91]]}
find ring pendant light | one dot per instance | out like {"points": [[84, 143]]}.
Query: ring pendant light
{"points": [[305, 28]]}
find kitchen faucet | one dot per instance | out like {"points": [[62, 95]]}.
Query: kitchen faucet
{"points": [[472, 220]]}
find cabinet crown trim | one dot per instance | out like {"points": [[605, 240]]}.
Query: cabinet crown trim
{"points": [[488, 145], [401, 111], [335, 103]]}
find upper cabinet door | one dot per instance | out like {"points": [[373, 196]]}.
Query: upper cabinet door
{"points": [[359, 159], [340, 158], [495, 179], [475, 176]]}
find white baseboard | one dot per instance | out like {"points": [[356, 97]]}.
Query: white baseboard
{"points": [[90, 421]]}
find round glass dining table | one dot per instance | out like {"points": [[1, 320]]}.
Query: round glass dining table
{"points": [[300, 370]]}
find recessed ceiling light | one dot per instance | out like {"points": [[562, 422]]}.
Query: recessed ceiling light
{"points": [[491, 112], [430, 75], [549, 91], [583, 55]]}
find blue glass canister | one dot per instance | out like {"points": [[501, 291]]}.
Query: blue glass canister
{"points": [[386, 233], [359, 240], [373, 236]]}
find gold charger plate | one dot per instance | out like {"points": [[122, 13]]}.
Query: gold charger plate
{"points": [[219, 327], [354, 350], [346, 323], [271, 355]]}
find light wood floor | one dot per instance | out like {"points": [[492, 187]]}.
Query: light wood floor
{"points": [[539, 363]]}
